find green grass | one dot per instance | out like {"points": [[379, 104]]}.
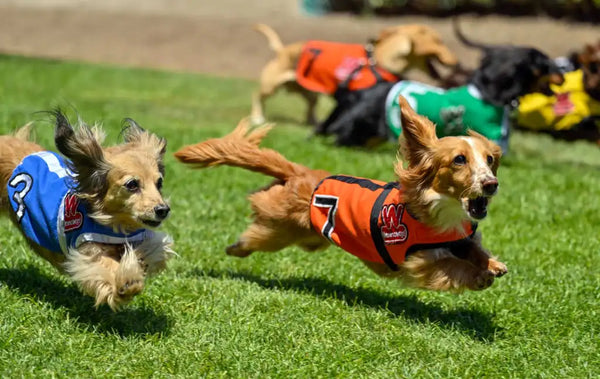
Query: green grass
{"points": [[295, 314]]}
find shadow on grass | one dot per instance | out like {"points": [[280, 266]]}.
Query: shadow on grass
{"points": [[32, 282], [476, 324]]}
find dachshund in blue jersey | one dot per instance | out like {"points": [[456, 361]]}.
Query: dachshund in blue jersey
{"points": [[90, 211]]}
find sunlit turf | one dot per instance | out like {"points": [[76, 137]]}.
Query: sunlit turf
{"points": [[296, 314]]}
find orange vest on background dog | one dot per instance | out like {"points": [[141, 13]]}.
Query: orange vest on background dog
{"points": [[368, 219], [324, 65]]}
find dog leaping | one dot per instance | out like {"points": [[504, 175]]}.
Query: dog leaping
{"points": [[421, 229]]}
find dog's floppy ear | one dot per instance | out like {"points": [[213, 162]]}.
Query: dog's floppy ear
{"points": [[133, 132], [418, 133], [86, 157], [429, 44], [386, 32]]}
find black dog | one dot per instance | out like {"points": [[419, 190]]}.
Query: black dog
{"points": [[505, 73]]}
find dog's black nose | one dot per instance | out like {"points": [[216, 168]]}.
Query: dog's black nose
{"points": [[162, 211], [490, 186]]}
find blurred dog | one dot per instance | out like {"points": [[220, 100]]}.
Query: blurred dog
{"points": [[572, 112], [89, 215], [421, 230], [505, 74], [313, 67]]}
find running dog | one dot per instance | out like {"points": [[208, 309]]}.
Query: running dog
{"points": [[421, 229], [90, 215], [313, 67], [484, 104]]}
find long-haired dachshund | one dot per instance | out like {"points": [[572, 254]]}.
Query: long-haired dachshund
{"points": [[420, 229], [89, 214]]}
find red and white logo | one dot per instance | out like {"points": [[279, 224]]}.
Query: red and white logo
{"points": [[563, 104], [393, 230], [73, 218], [348, 65]]}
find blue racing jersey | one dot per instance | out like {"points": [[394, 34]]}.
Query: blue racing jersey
{"points": [[42, 194]]}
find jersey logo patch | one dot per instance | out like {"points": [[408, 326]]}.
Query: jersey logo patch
{"points": [[348, 65], [563, 104], [73, 218], [393, 230]]}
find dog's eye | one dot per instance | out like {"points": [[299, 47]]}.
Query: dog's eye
{"points": [[132, 185], [159, 184], [460, 160], [490, 159]]}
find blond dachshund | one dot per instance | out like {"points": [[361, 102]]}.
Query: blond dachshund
{"points": [[90, 215]]}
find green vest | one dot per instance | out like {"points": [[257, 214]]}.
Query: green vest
{"points": [[453, 111]]}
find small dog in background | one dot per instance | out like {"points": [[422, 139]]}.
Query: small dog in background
{"points": [[313, 67], [483, 104], [572, 111], [421, 229], [89, 214]]}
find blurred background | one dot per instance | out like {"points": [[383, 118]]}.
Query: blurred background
{"points": [[216, 37]]}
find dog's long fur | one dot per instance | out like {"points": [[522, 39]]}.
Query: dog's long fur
{"points": [[436, 192], [113, 274], [397, 49]]}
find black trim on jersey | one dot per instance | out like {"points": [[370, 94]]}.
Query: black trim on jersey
{"points": [[376, 232], [455, 247], [364, 183]]}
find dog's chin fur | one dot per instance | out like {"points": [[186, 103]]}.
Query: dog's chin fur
{"points": [[282, 209], [113, 274], [444, 212]]}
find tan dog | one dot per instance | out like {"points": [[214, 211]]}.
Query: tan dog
{"points": [[420, 229], [396, 50], [89, 215]]}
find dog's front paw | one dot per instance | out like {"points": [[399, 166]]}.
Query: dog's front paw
{"points": [[497, 268], [130, 288], [482, 281], [237, 250]]}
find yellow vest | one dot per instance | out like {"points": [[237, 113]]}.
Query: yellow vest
{"points": [[569, 105]]}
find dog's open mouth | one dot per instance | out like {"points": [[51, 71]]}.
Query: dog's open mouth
{"points": [[151, 223], [477, 207]]}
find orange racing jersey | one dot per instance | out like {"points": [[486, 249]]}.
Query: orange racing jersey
{"points": [[369, 219], [323, 65]]}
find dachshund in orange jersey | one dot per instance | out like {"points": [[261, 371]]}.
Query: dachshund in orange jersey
{"points": [[421, 229]]}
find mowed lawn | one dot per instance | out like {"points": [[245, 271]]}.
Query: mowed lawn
{"points": [[296, 314]]}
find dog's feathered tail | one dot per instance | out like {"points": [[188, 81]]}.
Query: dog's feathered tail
{"points": [[274, 41], [240, 149]]}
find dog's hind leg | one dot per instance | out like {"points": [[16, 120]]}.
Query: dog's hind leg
{"points": [[271, 80], [262, 237], [311, 101]]}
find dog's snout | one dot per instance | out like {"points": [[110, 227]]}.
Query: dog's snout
{"points": [[162, 211], [490, 186]]}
